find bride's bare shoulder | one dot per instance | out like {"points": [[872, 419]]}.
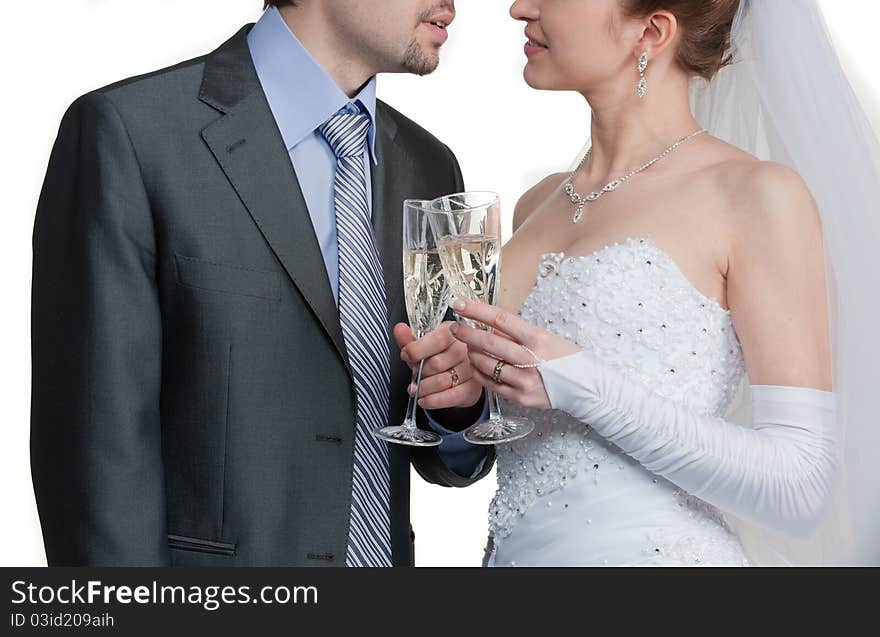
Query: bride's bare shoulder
{"points": [[757, 205], [758, 189], [753, 188], [768, 206], [532, 198]]}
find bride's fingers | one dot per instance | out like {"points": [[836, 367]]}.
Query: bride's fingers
{"points": [[502, 389], [484, 364], [490, 315], [491, 343]]}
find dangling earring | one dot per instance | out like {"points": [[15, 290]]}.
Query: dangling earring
{"points": [[642, 87]]}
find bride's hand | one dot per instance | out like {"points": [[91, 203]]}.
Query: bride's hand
{"points": [[508, 343]]}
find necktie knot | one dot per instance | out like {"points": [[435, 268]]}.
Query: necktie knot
{"points": [[347, 133]]}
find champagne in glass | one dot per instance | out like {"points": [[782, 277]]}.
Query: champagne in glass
{"points": [[426, 292], [468, 230], [425, 289], [473, 265]]}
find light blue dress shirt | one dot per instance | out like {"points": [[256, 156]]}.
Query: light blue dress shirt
{"points": [[302, 96]]}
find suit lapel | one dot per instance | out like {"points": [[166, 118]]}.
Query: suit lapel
{"points": [[250, 151]]}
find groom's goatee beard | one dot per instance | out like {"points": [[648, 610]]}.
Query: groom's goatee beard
{"points": [[415, 61], [414, 58]]}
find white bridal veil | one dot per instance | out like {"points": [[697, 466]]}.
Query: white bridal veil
{"points": [[786, 99]]}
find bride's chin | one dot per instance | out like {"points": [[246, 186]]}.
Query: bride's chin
{"points": [[540, 81], [535, 79]]}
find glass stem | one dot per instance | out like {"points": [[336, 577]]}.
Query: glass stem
{"points": [[410, 421], [492, 397], [414, 401], [494, 405]]}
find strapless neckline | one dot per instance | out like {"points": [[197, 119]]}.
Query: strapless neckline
{"points": [[646, 241]]}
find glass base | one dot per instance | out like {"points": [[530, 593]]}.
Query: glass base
{"points": [[499, 430], [412, 436]]}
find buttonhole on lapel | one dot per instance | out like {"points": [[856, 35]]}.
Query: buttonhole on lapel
{"points": [[325, 438], [235, 146], [326, 557]]}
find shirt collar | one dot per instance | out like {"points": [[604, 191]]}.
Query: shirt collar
{"points": [[301, 94]]}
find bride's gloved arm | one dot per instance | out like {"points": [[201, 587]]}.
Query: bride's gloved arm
{"points": [[778, 474]]}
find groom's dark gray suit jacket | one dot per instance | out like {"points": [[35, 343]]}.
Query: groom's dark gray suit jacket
{"points": [[192, 402]]}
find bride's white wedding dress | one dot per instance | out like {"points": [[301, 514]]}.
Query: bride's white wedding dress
{"points": [[568, 497]]}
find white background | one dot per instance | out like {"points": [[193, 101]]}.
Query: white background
{"points": [[505, 135]]}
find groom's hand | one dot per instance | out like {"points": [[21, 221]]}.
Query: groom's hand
{"points": [[442, 353]]}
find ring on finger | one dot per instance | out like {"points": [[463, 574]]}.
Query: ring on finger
{"points": [[496, 375], [455, 378]]}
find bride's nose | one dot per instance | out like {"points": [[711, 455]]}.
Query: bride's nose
{"points": [[524, 10]]}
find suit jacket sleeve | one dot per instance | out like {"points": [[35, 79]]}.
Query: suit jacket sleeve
{"points": [[426, 460], [96, 350]]}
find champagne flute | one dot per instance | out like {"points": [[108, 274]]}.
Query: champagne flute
{"points": [[467, 227], [426, 292]]}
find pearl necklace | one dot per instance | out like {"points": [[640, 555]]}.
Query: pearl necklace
{"points": [[580, 201]]}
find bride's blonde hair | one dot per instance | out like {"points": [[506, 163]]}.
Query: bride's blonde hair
{"points": [[706, 27]]}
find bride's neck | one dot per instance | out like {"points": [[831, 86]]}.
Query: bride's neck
{"points": [[627, 133]]}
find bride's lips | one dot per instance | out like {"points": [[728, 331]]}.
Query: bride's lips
{"points": [[534, 46], [438, 25]]}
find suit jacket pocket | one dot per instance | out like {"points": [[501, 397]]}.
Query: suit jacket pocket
{"points": [[200, 545], [228, 278]]}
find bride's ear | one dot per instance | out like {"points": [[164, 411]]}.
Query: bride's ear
{"points": [[658, 32]]}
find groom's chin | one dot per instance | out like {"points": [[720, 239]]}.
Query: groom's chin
{"points": [[420, 58]]}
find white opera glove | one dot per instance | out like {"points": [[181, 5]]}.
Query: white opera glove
{"points": [[778, 474]]}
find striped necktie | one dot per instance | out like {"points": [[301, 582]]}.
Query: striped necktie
{"points": [[364, 320]]}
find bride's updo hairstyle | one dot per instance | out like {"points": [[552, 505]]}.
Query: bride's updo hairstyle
{"points": [[705, 25]]}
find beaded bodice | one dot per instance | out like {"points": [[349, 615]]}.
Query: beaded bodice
{"points": [[632, 307]]}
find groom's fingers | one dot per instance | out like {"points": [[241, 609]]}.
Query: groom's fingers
{"points": [[403, 335], [464, 395], [454, 355], [430, 344], [443, 381]]}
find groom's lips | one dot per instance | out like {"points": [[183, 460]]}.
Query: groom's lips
{"points": [[437, 25]]}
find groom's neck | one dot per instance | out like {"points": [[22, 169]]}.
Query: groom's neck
{"points": [[330, 47]]}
